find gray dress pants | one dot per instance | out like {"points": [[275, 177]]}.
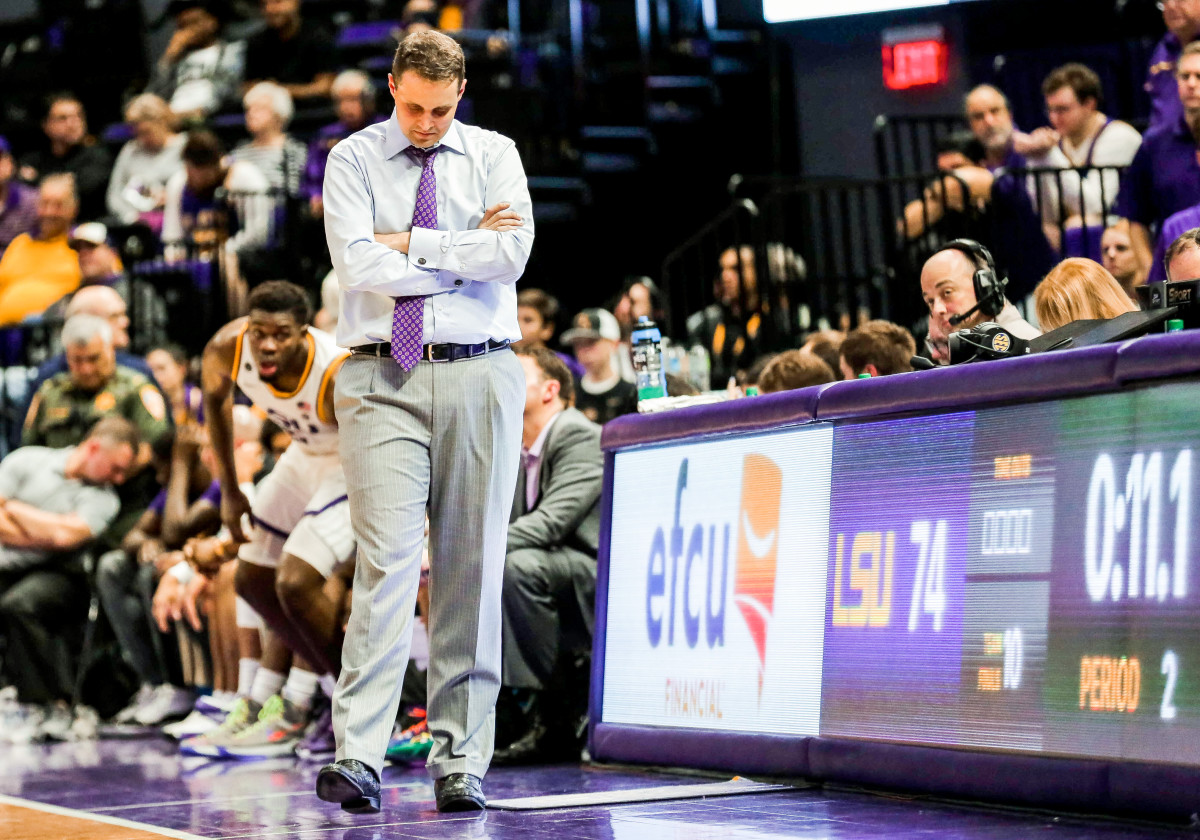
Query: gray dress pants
{"points": [[444, 437]]}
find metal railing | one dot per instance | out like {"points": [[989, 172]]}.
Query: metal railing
{"points": [[906, 145]]}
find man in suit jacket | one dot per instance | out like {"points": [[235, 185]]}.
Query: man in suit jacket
{"points": [[553, 540]]}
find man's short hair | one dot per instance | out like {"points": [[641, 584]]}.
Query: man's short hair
{"points": [[281, 296], [62, 96], [61, 179], [977, 88], [544, 303], [794, 369], [202, 148], [1187, 241], [552, 367], [1191, 49], [887, 346], [826, 345], [115, 430], [80, 330], [432, 56], [1078, 77], [963, 142]]}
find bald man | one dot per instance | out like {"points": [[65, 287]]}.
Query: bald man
{"points": [[103, 302], [948, 287]]}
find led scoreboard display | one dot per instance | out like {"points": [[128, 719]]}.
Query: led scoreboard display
{"points": [[1019, 578]]}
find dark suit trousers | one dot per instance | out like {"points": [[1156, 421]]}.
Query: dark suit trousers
{"points": [[42, 613], [549, 598]]}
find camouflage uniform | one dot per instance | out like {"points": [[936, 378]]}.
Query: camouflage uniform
{"points": [[61, 415]]}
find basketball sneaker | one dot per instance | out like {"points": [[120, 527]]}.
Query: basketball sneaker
{"points": [[280, 727], [242, 715]]}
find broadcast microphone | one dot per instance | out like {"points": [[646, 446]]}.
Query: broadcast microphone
{"points": [[955, 320]]}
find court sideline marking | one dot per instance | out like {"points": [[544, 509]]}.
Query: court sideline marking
{"points": [[97, 818]]}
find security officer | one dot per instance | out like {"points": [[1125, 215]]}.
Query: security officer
{"points": [[68, 404]]}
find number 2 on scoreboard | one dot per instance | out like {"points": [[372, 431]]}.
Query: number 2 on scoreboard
{"points": [[929, 584]]}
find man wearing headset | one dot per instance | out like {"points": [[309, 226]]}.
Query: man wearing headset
{"points": [[962, 289]]}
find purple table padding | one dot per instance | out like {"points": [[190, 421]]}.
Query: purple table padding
{"points": [[739, 752], [1027, 780], [1169, 791], [756, 414], [1039, 377], [1158, 356]]}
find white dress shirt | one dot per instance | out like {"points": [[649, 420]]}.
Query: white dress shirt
{"points": [[531, 459], [468, 274]]}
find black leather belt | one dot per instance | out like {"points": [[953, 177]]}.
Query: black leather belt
{"points": [[437, 352]]}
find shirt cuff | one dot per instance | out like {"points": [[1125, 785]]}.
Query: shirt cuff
{"points": [[182, 572], [425, 248]]}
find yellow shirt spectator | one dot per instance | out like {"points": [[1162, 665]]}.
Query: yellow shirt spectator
{"points": [[34, 273]]}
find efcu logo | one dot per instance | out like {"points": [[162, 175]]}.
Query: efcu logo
{"points": [[757, 553]]}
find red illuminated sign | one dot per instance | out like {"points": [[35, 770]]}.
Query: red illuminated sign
{"points": [[915, 64]]}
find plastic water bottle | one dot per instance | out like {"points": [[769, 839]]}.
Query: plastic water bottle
{"points": [[648, 360], [699, 368]]}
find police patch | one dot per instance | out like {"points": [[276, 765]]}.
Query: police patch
{"points": [[105, 401], [153, 401]]}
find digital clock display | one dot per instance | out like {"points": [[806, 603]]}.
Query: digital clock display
{"points": [[1019, 578]]}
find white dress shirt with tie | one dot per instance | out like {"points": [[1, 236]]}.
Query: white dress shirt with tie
{"points": [[469, 274]]}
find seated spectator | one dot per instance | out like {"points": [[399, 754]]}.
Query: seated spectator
{"points": [[826, 345], [1183, 257], [95, 386], [794, 369], [877, 348], [959, 157], [1019, 240], [100, 266], [752, 376], [948, 284], [53, 503], [126, 578], [1087, 138], [198, 73], [194, 220], [550, 564], [169, 363], [1164, 177], [354, 104], [102, 302], [18, 202], [537, 315], [137, 189], [731, 328], [990, 118], [38, 269], [278, 156], [1120, 260], [603, 394], [1182, 20], [291, 51], [70, 150], [1079, 289]]}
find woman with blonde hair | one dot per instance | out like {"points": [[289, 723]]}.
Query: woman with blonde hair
{"points": [[138, 186], [1079, 289]]}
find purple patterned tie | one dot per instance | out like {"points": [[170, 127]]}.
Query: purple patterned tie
{"points": [[408, 317]]}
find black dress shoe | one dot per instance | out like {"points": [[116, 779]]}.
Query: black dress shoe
{"points": [[351, 783], [459, 792]]}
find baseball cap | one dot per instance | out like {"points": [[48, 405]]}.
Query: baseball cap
{"points": [[89, 233], [593, 324]]}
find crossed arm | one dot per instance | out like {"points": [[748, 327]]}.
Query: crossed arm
{"points": [[24, 526]]}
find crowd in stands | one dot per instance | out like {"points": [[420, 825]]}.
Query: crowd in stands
{"points": [[130, 449]]}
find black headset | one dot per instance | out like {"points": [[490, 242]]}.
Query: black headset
{"points": [[989, 288]]}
